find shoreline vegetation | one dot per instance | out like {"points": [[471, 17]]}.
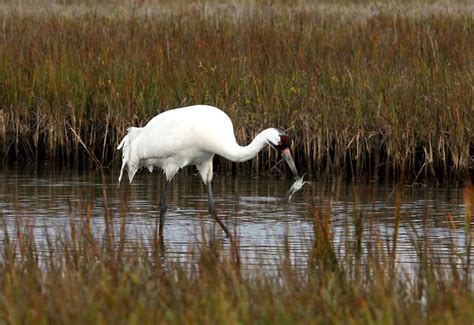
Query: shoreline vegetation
{"points": [[370, 90], [81, 273]]}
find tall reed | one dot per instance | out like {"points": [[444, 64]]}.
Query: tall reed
{"points": [[373, 94]]}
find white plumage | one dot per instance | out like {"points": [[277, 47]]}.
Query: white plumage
{"points": [[192, 136]]}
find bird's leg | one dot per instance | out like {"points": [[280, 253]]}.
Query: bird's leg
{"points": [[213, 211], [163, 208]]}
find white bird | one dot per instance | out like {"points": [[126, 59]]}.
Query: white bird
{"points": [[192, 136]]}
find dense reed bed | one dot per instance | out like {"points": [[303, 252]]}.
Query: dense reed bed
{"points": [[366, 89], [82, 275]]}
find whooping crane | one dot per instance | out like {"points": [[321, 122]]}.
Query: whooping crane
{"points": [[192, 136]]}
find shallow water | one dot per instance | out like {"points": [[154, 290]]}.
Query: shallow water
{"points": [[255, 209]]}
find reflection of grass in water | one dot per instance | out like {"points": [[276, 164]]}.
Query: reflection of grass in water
{"points": [[86, 277], [357, 95]]}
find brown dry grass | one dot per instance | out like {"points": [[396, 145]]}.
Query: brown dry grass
{"points": [[371, 90]]}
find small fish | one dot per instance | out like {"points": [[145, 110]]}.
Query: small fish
{"points": [[297, 185]]}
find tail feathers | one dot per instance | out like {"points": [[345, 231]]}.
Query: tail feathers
{"points": [[129, 155]]}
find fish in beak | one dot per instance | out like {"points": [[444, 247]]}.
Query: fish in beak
{"points": [[297, 185], [283, 147], [299, 182]]}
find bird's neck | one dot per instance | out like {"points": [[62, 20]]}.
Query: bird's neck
{"points": [[239, 153]]}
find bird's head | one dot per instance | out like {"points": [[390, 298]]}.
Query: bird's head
{"points": [[279, 140]]}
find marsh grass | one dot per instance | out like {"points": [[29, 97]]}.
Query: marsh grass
{"points": [[373, 93], [78, 274]]}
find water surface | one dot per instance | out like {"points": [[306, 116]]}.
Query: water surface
{"points": [[254, 208]]}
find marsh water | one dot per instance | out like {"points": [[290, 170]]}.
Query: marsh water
{"points": [[255, 209]]}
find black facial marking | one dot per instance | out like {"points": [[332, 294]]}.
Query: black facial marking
{"points": [[284, 142]]}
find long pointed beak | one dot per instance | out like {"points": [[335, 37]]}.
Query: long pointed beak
{"points": [[289, 160]]}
